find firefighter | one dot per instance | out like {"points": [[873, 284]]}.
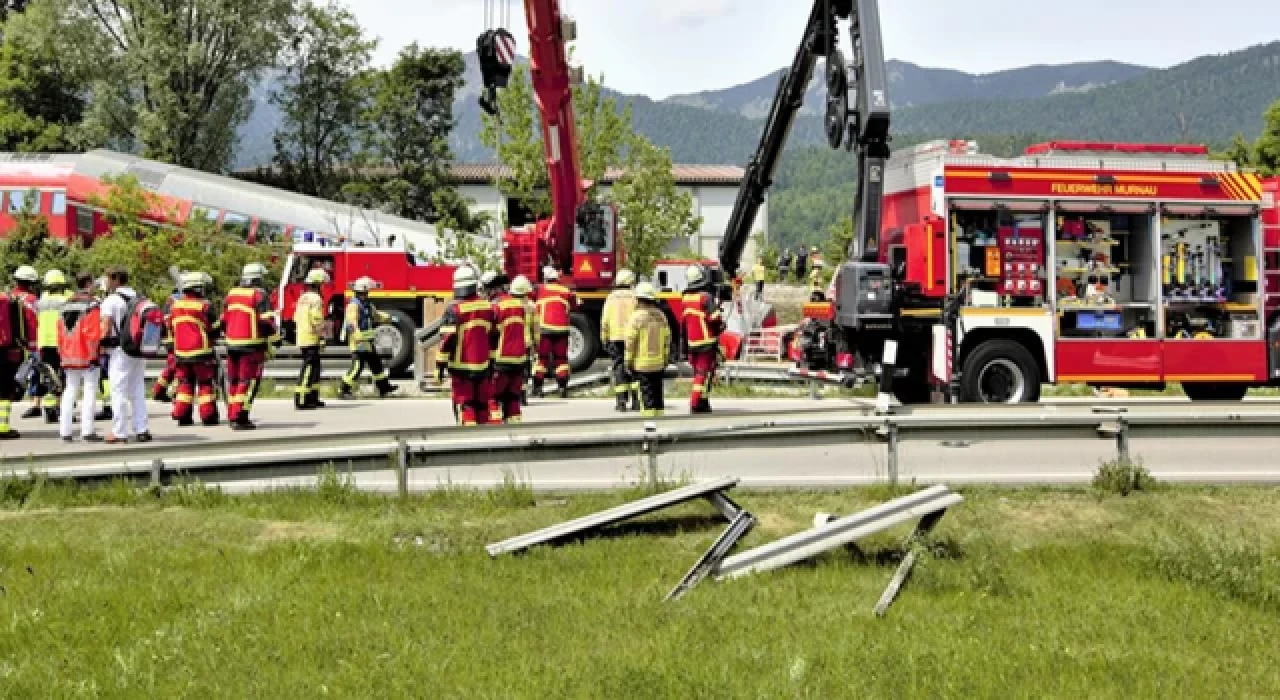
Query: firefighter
{"points": [[815, 282], [17, 339], [523, 290], [308, 319], [702, 325], [615, 318], [249, 327], [758, 275], [48, 311], [360, 319], [646, 349], [25, 282], [160, 390], [555, 304], [511, 351], [468, 335], [192, 322]]}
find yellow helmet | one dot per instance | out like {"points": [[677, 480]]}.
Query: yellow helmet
{"points": [[55, 278], [645, 291], [626, 278], [520, 286]]}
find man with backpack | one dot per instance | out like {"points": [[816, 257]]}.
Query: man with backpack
{"points": [[126, 364], [17, 339], [80, 350], [248, 324], [25, 282], [191, 322], [360, 319]]}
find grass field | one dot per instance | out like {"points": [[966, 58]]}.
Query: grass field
{"points": [[1031, 593]]}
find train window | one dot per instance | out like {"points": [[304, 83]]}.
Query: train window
{"points": [[84, 221], [19, 201], [208, 213], [269, 231], [237, 225], [59, 203]]}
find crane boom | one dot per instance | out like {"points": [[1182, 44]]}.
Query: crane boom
{"points": [[865, 124]]}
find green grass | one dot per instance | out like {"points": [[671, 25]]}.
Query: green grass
{"points": [[1032, 593]]}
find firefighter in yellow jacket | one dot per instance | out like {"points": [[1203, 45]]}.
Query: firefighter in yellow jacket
{"points": [[48, 312], [646, 349], [361, 318], [308, 322], [615, 319]]}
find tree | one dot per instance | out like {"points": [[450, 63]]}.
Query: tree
{"points": [[1239, 152], [836, 248], [652, 212], [1266, 151], [325, 72], [43, 82], [410, 119], [176, 76]]}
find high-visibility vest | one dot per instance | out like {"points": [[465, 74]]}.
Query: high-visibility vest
{"points": [[308, 319], [191, 326], [512, 348], [555, 303], [467, 336], [48, 311], [701, 321], [648, 341], [616, 315], [80, 333], [247, 320]]}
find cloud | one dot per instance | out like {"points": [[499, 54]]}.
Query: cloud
{"points": [[689, 11]]}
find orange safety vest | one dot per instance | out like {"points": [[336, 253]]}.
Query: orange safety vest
{"points": [[555, 303], [512, 349], [468, 336], [701, 321], [80, 346], [247, 319], [191, 327]]}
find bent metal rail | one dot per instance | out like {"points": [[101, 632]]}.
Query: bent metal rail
{"points": [[449, 447]]}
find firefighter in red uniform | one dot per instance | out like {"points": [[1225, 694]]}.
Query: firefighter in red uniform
{"points": [[17, 340], [191, 322], [702, 325], [248, 324], [555, 303], [25, 282], [160, 390], [467, 338], [510, 353]]}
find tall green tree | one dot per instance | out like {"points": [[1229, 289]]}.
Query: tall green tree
{"points": [[1266, 151], [1240, 152], [43, 80], [322, 98], [175, 79], [408, 120], [653, 213]]}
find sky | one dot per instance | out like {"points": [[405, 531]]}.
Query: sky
{"points": [[664, 47]]}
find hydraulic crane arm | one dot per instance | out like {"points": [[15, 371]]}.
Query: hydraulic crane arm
{"points": [[866, 122]]}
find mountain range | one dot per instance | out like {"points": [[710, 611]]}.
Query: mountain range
{"points": [[1208, 99]]}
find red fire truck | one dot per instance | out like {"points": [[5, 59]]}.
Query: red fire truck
{"points": [[1111, 264]]}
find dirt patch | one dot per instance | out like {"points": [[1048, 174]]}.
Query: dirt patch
{"points": [[284, 530], [780, 523], [1059, 515]]}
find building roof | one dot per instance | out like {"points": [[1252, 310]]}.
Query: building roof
{"points": [[487, 173]]}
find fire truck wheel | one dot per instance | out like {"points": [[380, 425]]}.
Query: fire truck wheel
{"points": [[1197, 391], [1000, 371], [396, 338], [584, 343]]}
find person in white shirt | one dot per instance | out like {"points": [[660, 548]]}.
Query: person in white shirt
{"points": [[126, 374]]}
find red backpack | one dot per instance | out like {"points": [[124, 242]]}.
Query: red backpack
{"points": [[141, 328]]}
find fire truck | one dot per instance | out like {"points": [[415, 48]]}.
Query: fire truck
{"points": [[1113, 264]]}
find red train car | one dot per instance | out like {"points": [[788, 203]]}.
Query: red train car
{"points": [[36, 182]]}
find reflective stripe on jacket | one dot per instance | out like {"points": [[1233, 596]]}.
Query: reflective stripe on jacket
{"points": [[468, 336], [555, 303], [247, 320], [48, 311], [191, 321], [512, 348], [701, 321], [308, 319], [648, 341]]}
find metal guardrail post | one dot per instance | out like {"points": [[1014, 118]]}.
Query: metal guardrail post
{"points": [[1122, 439], [157, 472], [402, 467], [893, 454], [651, 452]]}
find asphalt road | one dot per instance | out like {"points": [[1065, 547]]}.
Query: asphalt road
{"points": [[1002, 462]]}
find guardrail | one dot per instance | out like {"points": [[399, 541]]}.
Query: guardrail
{"points": [[625, 437]]}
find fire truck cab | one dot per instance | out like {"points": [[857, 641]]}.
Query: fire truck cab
{"points": [[1107, 264]]}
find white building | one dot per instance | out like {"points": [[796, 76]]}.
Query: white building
{"points": [[713, 188]]}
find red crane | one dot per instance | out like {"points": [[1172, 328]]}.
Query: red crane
{"points": [[580, 237]]}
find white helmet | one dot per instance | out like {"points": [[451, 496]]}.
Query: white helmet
{"points": [[520, 286], [626, 277], [26, 273], [317, 276], [464, 276], [695, 275], [363, 284], [254, 271], [645, 291], [549, 273], [488, 278], [191, 281]]}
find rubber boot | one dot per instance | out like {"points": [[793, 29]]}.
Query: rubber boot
{"points": [[10, 435], [537, 388], [635, 401], [385, 388], [51, 415], [33, 412]]}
